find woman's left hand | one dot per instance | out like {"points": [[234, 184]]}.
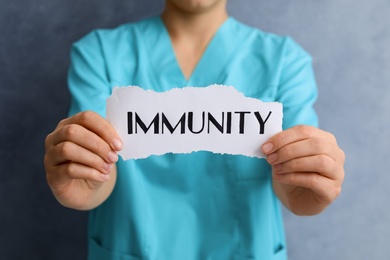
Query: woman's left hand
{"points": [[307, 168]]}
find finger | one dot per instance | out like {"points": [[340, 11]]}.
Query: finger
{"points": [[85, 138], [288, 136], [321, 164], [325, 189], [97, 124], [70, 152], [301, 148], [79, 171]]}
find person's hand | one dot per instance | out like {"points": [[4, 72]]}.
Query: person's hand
{"points": [[80, 160], [307, 168]]}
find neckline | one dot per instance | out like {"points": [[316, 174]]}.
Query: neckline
{"points": [[206, 51]]}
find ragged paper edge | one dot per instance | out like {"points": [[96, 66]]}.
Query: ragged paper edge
{"points": [[239, 94]]}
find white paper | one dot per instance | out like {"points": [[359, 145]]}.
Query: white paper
{"points": [[217, 118]]}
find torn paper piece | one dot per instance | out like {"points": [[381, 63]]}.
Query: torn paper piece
{"points": [[217, 118]]}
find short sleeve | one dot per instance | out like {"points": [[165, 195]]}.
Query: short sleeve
{"points": [[297, 89], [87, 77]]}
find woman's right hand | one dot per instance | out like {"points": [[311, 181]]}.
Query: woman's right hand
{"points": [[80, 160]]}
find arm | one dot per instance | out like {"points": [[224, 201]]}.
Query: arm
{"points": [[307, 164], [81, 152]]}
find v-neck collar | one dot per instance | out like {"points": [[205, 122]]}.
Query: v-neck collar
{"points": [[204, 54], [165, 65]]}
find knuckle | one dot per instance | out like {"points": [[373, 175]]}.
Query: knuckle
{"points": [[74, 171], [305, 130], [48, 140], [99, 147], [61, 123], [331, 137], [289, 152], [314, 182], [340, 175], [323, 162], [96, 146], [319, 145], [65, 149], [70, 130], [107, 127], [293, 165], [342, 156], [300, 128], [91, 174], [86, 116], [70, 170]]}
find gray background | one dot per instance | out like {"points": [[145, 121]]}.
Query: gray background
{"points": [[349, 41]]}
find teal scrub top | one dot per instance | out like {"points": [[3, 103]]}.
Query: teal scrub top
{"points": [[200, 205]]}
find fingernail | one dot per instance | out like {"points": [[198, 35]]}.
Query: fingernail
{"points": [[112, 157], [268, 147], [118, 145], [107, 167], [272, 157]]}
